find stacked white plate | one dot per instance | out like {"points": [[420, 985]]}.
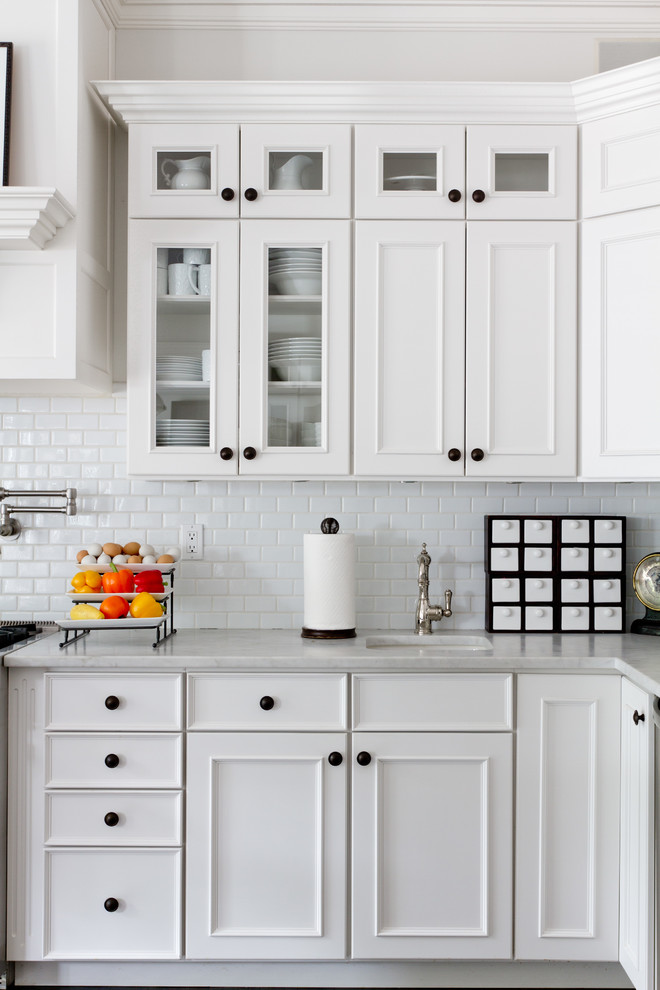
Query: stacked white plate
{"points": [[310, 434], [295, 271], [182, 432], [411, 182], [178, 368], [296, 359]]}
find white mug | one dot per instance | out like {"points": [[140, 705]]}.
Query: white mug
{"points": [[181, 281], [204, 280], [197, 256]]}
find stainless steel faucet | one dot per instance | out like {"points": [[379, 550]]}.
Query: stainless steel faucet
{"points": [[425, 614]]}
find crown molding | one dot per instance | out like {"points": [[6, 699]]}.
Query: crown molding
{"points": [[172, 101], [31, 216], [620, 18], [632, 87]]}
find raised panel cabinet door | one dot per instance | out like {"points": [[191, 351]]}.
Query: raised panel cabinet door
{"points": [[432, 845], [567, 817], [182, 367], [266, 846], [521, 350], [410, 171], [295, 170], [636, 914], [409, 348], [521, 172], [620, 162], [295, 399], [620, 345]]}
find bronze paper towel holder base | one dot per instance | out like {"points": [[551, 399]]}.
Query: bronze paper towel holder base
{"points": [[329, 526]]}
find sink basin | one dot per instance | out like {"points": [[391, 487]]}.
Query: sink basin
{"points": [[437, 641]]}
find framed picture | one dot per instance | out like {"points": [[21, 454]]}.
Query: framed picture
{"points": [[6, 50]]}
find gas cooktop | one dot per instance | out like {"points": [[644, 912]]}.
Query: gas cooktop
{"points": [[13, 633]]}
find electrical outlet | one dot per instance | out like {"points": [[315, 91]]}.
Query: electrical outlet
{"points": [[192, 542]]}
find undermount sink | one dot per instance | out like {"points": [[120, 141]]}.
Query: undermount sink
{"points": [[436, 641]]}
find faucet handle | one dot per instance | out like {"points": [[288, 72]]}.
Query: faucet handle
{"points": [[447, 609]]}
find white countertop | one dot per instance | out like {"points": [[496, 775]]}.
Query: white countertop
{"points": [[637, 657]]}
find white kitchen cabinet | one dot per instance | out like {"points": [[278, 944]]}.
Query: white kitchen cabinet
{"points": [[620, 346], [637, 865], [432, 840], [567, 817], [495, 397], [266, 845], [620, 162]]}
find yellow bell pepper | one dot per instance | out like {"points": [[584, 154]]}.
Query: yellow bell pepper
{"points": [[85, 581], [86, 612], [93, 580], [145, 606]]}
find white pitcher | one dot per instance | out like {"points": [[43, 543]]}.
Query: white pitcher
{"points": [[289, 175], [190, 173]]}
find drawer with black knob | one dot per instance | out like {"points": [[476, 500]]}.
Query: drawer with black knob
{"points": [[113, 818]]}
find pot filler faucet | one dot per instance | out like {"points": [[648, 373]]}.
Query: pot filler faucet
{"points": [[426, 614]]}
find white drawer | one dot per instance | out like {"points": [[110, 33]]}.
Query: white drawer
{"points": [[538, 590], [506, 618], [267, 701], [113, 818], [575, 618], [574, 590], [608, 619], [608, 531], [505, 531], [113, 701], [539, 618], [607, 590], [504, 558], [144, 760], [423, 702], [608, 559], [505, 589], [146, 884], [538, 531], [574, 559], [538, 559]]}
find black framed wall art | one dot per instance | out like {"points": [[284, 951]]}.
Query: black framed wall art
{"points": [[6, 52]]}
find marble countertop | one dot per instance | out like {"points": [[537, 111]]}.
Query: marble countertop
{"points": [[637, 657]]}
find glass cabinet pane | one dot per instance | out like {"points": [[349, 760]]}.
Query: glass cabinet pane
{"points": [[295, 346], [522, 172], [183, 170], [410, 171], [182, 396], [295, 170]]}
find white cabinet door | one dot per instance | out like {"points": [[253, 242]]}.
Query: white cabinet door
{"points": [[636, 912], [266, 846], [295, 347], [409, 348], [521, 350], [432, 840], [182, 378], [620, 346], [521, 172], [410, 171], [567, 817], [296, 170], [620, 162]]}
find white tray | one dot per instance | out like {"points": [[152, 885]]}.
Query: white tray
{"points": [[127, 623], [96, 596]]}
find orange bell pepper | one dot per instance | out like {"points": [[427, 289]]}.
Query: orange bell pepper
{"points": [[114, 607], [145, 606], [115, 582]]}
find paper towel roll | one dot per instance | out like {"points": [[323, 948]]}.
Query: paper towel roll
{"points": [[329, 585]]}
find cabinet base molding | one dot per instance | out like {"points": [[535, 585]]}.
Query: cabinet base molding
{"points": [[335, 974]]}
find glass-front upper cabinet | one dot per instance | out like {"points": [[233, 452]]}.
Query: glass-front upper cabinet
{"points": [[521, 172], [295, 347], [183, 170], [405, 171], [183, 348], [296, 170]]}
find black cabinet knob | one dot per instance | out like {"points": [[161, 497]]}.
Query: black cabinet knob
{"points": [[267, 703], [478, 195], [111, 819], [364, 759], [454, 454], [637, 718], [335, 759], [111, 904], [227, 194], [226, 453], [477, 454], [112, 760], [112, 702], [251, 194], [454, 195], [249, 453]]}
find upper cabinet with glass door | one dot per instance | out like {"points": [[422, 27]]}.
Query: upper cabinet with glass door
{"points": [[521, 172], [410, 172], [296, 170]]}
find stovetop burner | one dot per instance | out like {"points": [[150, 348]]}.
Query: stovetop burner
{"points": [[13, 633]]}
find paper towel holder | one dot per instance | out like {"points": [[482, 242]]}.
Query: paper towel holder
{"points": [[329, 527]]}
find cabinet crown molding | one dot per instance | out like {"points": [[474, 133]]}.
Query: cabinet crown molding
{"points": [[30, 216]]}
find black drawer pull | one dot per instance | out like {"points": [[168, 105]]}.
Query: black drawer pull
{"points": [[250, 194], [637, 718], [112, 818], [267, 703], [478, 195], [112, 702], [112, 760], [227, 194], [111, 904], [364, 759], [335, 759], [454, 195]]}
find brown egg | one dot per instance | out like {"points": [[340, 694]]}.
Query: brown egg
{"points": [[134, 558], [165, 558], [112, 549], [131, 548], [80, 555]]}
